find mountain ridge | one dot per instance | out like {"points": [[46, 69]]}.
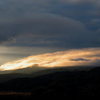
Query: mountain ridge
{"points": [[73, 83]]}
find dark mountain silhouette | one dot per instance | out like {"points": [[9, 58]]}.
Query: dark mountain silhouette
{"points": [[75, 84]]}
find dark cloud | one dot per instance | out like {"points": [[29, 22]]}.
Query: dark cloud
{"points": [[80, 59], [60, 23], [48, 30]]}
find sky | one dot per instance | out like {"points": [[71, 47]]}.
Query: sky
{"points": [[29, 27], [69, 58]]}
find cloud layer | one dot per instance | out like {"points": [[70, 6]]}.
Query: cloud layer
{"points": [[58, 22], [49, 30], [49, 24], [80, 57]]}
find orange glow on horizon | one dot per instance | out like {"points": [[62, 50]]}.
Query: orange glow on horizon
{"points": [[57, 59]]}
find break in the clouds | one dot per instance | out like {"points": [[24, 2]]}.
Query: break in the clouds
{"points": [[49, 24], [80, 57]]}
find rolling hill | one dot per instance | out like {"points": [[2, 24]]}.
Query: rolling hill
{"points": [[60, 83]]}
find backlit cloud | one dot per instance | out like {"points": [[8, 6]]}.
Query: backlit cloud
{"points": [[81, 57]]}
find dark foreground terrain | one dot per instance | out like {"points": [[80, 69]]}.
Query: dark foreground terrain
{"points": [[65, 84]]}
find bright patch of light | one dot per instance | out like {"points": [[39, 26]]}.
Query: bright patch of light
{"points": [[56, 59]]}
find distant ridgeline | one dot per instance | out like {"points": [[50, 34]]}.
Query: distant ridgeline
{"points": [[58, 83]]}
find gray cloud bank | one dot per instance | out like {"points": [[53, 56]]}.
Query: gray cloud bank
{"points": [[50, 23]]}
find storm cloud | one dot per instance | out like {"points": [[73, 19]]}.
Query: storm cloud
{"points": [[48, 29], [50, 23]]}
